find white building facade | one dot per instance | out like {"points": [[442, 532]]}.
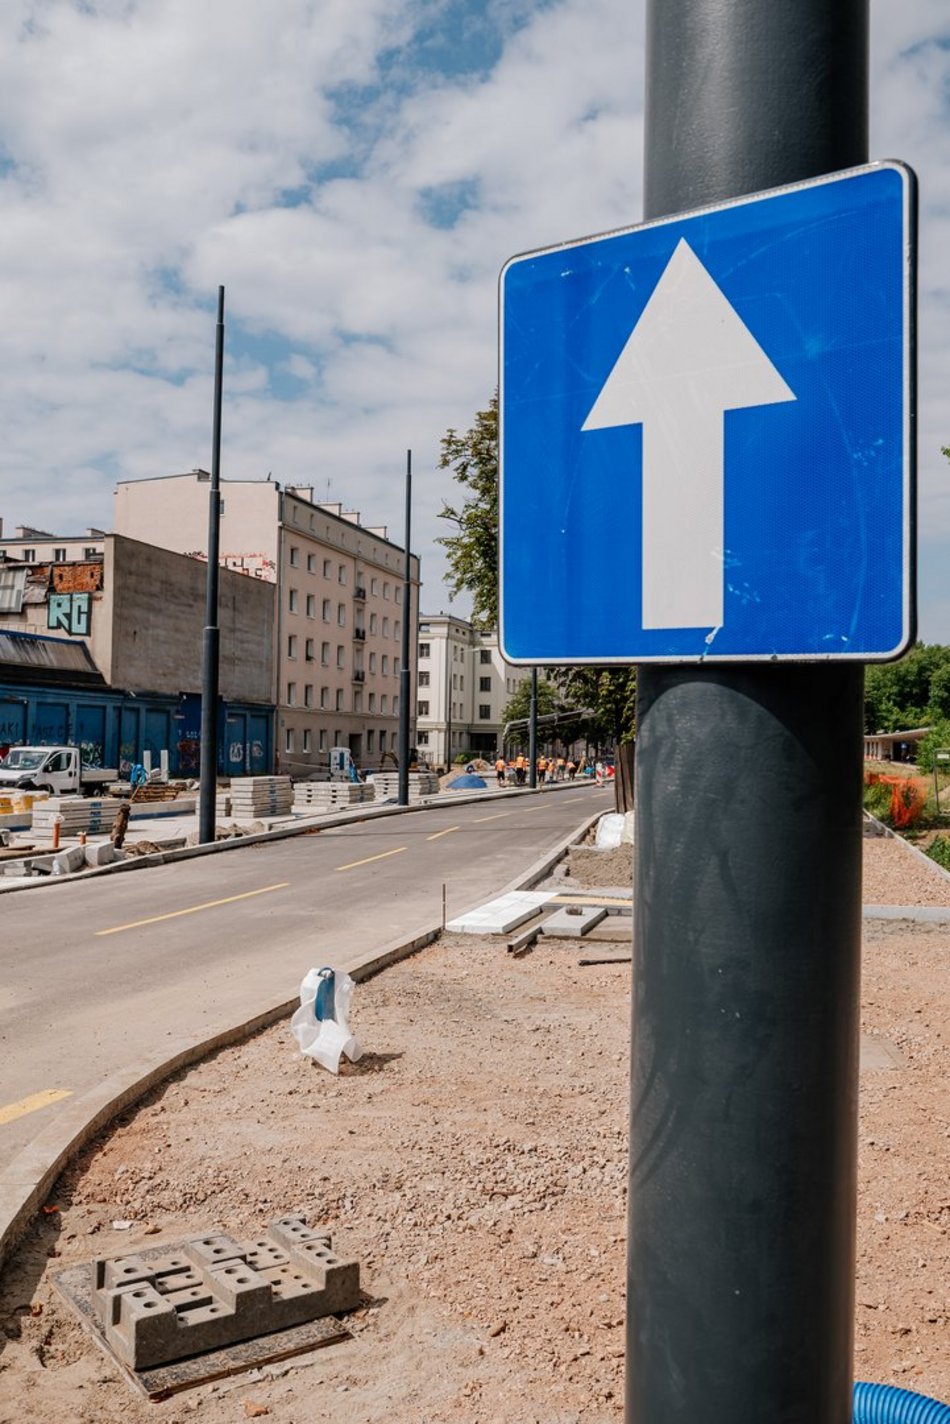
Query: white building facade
{"points": [[463, 685], [339, 604]]}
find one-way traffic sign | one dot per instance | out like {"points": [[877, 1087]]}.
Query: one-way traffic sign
{"points": [[706, 433]]}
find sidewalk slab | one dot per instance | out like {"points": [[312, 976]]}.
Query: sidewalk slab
{"points": [[501, 916]]}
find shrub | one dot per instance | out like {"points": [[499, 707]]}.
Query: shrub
{"points": [[877, 800], [939, 850]]}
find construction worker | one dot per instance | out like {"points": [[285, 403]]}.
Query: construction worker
{"points": [[520, 769], [500, 770]]}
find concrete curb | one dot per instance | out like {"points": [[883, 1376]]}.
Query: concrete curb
{"points": [[344, 818], [26, 1183], [917, 914]]}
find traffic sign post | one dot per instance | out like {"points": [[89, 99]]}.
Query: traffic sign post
{"points": [[706, 460], [733, 387]]}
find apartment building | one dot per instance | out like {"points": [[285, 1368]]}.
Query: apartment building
{"points": [[39, 546], [339, 603], [463, 686]]}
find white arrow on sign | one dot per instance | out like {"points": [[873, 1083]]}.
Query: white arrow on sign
{"points": [[688, 360]]}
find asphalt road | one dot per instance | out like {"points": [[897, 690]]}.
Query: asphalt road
{"points": [[95, 975]]}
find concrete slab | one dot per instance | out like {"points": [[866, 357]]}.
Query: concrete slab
{"points": [[878, 1052], [573, 921], [501, 916]]}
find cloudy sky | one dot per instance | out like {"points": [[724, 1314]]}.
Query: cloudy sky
{"points": [[355, 172]]}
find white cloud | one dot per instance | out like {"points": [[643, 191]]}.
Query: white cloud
{"points": [[152, 149]]}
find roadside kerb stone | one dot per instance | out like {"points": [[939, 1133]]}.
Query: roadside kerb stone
{"points": [[27, 1181]]}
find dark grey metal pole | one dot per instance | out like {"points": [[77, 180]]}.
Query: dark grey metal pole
{"points": [[748, 856], [533, 732], [211, 640], [404, 691]]}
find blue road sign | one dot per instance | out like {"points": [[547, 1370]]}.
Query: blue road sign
{"points": [[706, 439]]}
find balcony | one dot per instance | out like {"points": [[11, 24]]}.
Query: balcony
{"points": [[359, 635], [360, 594], [359, 675]]}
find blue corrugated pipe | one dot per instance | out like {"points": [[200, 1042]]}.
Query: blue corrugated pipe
{"points": [[883, 1404]]}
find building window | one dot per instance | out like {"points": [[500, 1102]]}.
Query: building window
{"points": [[341, 614], [423, 679], [327, 569], [423, 627], [424, 650], [423, 709], [291, 694], [308, 694], [484, 711], [484, 655], [398, 594], [341, 576], [385, 627], [370, 740], [484, 684], [372, 622], [294, 556], [341, 657], [325, 654], [292, 600], [385, 668], [422, 739], [292, 645], [358, 701], [311, 563], [372, 662], [374, 586], [59, 556], [327, 610], [311, 606], [461, 682], [90, 552], [372, 702], [384, 705], [324, 697], [308, 650], [339, 699], [306, 739], [382, 741], [385, 589], [28, 556], [455, 682], [322, 739], [395, 706], [289, 740]]}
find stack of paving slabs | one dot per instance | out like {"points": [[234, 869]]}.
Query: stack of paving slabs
{"points": [[256, 796], [316, 796], [79, 813], [421, 785], [213, 1291]]}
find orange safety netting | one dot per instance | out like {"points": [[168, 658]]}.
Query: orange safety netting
{"points": [[908, 796]]}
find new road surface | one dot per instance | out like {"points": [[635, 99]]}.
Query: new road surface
{"points": [[101, 974]]}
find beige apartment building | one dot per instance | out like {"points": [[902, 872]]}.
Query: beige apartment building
{"points": [[39, 546], [339, 603], [463, 687]]}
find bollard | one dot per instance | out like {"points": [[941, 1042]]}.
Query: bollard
{"points": [[57, 824]]}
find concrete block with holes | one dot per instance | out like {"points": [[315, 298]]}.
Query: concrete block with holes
{"points": [[214, 1291]]}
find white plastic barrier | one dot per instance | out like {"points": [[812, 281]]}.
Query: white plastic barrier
{"points": [[320, 1024]]}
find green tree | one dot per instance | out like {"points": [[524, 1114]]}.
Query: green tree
{"points": [[909, 693], [473, 548], [611, 695], [519, 704]]}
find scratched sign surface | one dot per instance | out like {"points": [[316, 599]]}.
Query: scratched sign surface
{"points": [[706, 433]]}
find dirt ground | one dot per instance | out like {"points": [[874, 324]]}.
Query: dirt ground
{"points": [[475, 1163]]}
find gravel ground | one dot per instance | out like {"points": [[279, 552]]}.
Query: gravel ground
{"points": [[894, 875], [489, 1222]]}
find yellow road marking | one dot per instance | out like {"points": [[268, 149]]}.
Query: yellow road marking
{"points": [[193, 909], [33, 1103], [447, 832], [497, 817], [382, 856]]}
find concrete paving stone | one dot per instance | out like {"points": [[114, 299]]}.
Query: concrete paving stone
{"points": [[573, 921], [502, 915], [215, 1291]]}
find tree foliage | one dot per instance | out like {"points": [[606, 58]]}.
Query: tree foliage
{"points": [[609, 693], [910, 693], [473, 548], [519, 704]]}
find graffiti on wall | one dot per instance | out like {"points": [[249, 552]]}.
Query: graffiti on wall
{"points": [[69, 613]]}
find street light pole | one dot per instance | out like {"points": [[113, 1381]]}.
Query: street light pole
{"points": [[533, 732], [211, 643], [404, 684]]}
